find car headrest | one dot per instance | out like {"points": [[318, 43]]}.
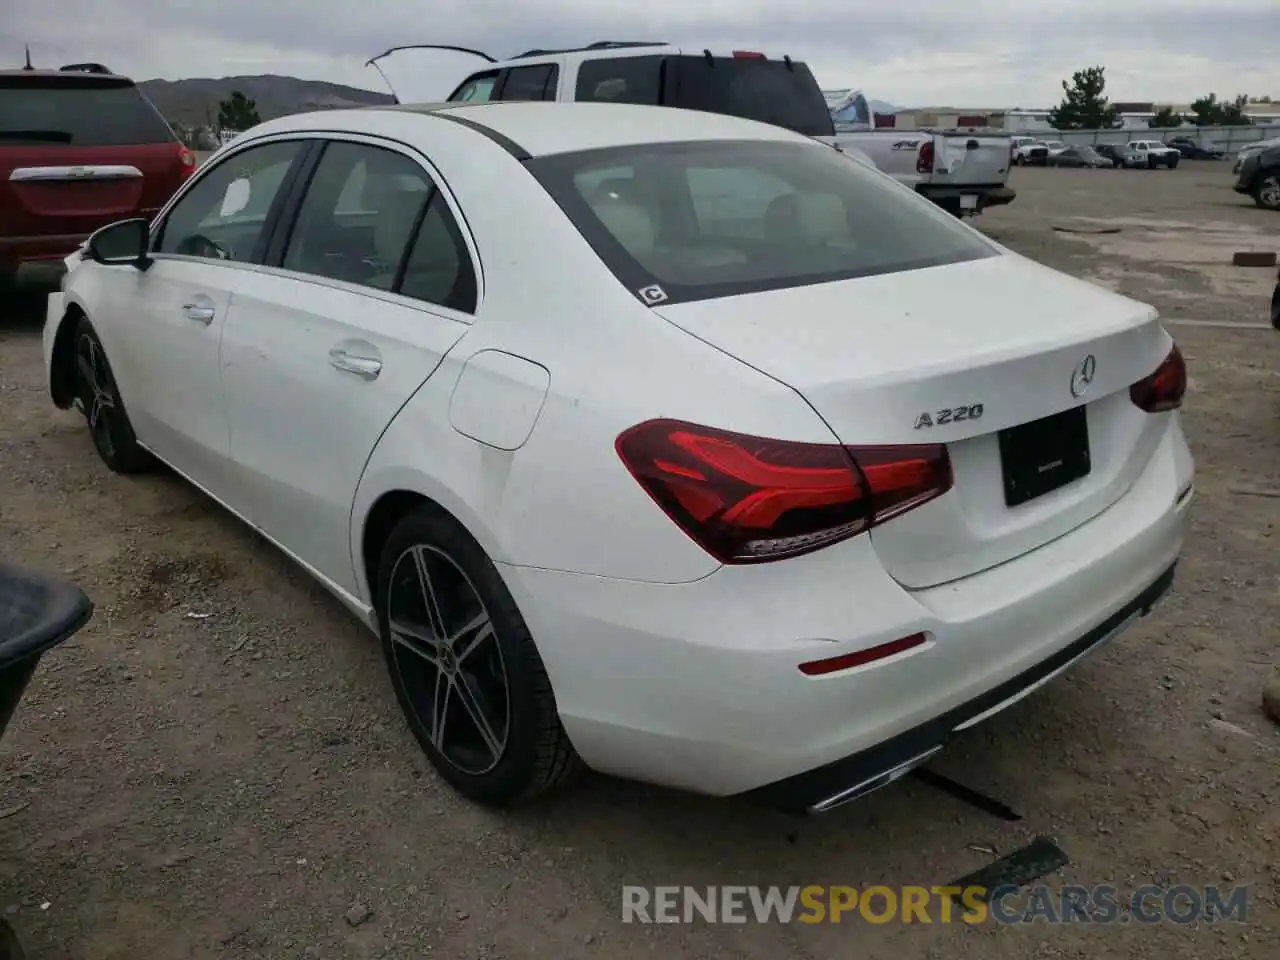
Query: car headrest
{"points": [[630, 224], [821, 217]]}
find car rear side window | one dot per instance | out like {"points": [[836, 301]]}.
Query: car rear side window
{"points": [[718, 218], [79, 112], [620, 80], [358, 215], [537, 82], [778, 92], [438, 267]]}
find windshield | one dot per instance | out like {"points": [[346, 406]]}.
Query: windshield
{"points": [[71, 111], [699, 220]]}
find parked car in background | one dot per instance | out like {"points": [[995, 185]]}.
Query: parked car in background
{"points": [[80, 147], [1155, 153], [695, 481], [1275, 304], [1029, 152], [1194, 150], [1120, 155], [1247, 151], [963, 173], [1259, 177], [1082, 156]]}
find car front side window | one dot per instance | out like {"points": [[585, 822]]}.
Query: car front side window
{"points": [[223, 216]]}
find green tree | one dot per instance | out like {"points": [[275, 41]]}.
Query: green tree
{"points": [[1165, 117], [1233, 113], [238, 112], [1211, 112], [1085, 105]]}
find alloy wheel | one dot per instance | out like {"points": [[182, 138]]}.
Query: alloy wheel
{"points": [[97, 398], [446, 651], [1269, 192]]}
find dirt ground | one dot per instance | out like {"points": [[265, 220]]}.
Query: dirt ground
{"points": [[216, 766]]}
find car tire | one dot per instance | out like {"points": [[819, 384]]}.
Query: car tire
{"points": [[10, 946], [1266, 189], [98, 398], [459, 655], [1151, 163]]}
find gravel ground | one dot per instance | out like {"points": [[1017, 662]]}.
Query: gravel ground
{"points": [[216, 767]]}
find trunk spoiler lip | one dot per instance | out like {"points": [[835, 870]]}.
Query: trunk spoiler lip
{"points": [[373, 61]]}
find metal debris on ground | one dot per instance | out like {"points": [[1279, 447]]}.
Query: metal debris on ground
{"points": [[1037, 859]]}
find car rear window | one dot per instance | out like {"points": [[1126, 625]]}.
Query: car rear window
{"points": [[783, 93], [692, 221], [81, 111]]}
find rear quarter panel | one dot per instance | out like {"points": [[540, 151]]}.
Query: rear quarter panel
{"points": [[564, 500]]}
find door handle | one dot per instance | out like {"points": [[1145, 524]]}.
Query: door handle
{"points": [[367, 368], [200, 309]]}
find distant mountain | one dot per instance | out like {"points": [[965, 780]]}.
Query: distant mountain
{"points": [[195, 102]]}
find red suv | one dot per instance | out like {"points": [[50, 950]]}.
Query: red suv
{"points": [[79, 148]]}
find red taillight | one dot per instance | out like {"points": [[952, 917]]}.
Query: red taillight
{"points": [[748, 55], [1162, 390], [748, 499], [924, 159], [187, 159], [847, 661]]}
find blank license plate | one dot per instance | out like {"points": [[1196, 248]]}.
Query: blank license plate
{"points": [[968, 202], [1043, 455]]}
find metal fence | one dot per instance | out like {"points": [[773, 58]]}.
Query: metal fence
{"points": [[1230, 139]]}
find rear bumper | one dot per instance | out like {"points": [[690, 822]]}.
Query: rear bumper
{"points": [[697, 685], [949, 195], [837, 783], [37, 259], [44, 253]]}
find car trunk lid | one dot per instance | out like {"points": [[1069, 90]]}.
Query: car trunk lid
{"points": [[962, 354]]}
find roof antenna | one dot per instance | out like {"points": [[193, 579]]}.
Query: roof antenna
{"points": [[28, 66]]}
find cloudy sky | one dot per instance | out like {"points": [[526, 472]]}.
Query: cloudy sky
{"points": [[974, 53]]}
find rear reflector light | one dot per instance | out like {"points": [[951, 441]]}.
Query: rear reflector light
{"points": [[748, 55], [847, 661], [1163, 390], [924, 159], [748, 499], [187, 158]]}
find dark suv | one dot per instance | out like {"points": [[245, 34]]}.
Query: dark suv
{"points": [[80, 147], [1259, 176]]}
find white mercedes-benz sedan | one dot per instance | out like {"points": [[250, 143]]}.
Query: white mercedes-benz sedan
{"points": [[671, 443]]}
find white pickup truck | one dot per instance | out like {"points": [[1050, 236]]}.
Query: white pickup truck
{"points": [[962, 173], [1156, 153]]}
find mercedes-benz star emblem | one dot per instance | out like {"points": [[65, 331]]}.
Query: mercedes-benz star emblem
{"points": [[1082, 375]]}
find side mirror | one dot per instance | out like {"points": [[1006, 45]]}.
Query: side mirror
{"points": [[122, 243]]}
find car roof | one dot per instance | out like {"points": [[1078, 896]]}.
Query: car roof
{"points": [[82, 78], [540, 128]]}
